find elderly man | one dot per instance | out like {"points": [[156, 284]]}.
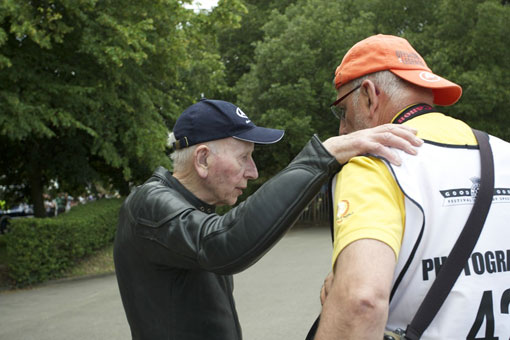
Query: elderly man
{"points": [[174, 257], [394, 226]]}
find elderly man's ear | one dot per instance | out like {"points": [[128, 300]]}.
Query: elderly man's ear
{"points": [[201, 157]]}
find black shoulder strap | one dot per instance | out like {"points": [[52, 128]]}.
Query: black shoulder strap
{"points": [[463, 247]]}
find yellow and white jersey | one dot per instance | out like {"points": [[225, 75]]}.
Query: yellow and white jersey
{"points": [[419, 209]]}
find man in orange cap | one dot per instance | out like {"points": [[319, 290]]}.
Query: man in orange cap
{"points": [[394, 226]]}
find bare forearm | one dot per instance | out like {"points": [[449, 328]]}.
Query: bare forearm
{"points": [[357, 296], [339, 321]]}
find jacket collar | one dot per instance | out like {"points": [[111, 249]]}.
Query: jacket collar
{"points": [[166, 177]]}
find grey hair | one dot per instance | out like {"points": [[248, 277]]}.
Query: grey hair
{"points": [[388, 82], [181, 159]]}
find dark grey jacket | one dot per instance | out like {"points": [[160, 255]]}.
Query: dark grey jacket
{"points": [[174, 257]]}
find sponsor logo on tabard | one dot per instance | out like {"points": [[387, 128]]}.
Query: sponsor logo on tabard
{"points": [[463, 196]]}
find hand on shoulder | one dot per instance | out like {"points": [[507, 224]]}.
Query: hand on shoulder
{"points": [[377, 141]]}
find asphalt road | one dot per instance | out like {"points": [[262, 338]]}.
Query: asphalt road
{"points": [[277, 298]]}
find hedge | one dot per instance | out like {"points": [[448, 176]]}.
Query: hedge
{"points": [[40, 249]]}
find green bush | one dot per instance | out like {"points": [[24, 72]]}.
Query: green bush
{"points": [[39, 249]]}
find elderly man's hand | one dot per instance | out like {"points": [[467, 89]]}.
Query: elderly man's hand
{"points": [[377, 141]]}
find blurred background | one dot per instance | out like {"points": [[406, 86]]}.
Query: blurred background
{"points": [[89, 90]]}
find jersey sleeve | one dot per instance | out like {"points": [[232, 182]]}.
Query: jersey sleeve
{"points": [[367, 204]]}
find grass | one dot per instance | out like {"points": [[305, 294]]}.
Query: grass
{"points": [[99, 263]]}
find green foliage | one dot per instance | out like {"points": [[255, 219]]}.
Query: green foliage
{"points": [[289, 83], [89, 89], [40, 249], [471, 48], [237, 45]]}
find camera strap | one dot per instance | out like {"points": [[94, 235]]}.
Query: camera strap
{"points": [[463, 247]]}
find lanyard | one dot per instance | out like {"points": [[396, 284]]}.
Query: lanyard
{"points": [[413, 111]]}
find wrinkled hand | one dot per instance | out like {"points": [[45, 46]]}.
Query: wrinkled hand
{"points": [[377, 141], [328, 281]]}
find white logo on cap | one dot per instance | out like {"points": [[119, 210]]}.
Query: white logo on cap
{"points": [[429, 77], [241, 114]]}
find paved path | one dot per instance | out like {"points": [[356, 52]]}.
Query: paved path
{"points": [[277, 298]]}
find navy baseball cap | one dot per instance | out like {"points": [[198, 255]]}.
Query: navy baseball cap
{"points": [[210, 119]]}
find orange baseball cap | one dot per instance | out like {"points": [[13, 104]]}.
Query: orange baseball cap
{"points": [[387, 52]]}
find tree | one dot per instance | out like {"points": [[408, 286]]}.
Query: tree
{"points": [[470, 45], [289, 84], [89, 89], [237, 46]]}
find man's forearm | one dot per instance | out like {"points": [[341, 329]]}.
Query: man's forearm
{"points": [[357, 302], [360, 323], [236, 240]]}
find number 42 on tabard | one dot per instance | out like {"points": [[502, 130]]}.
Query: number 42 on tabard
{"points": [[486, 313]]}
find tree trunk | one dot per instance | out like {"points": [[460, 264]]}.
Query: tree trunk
{"points": [[36, 191], [124, 188]]}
